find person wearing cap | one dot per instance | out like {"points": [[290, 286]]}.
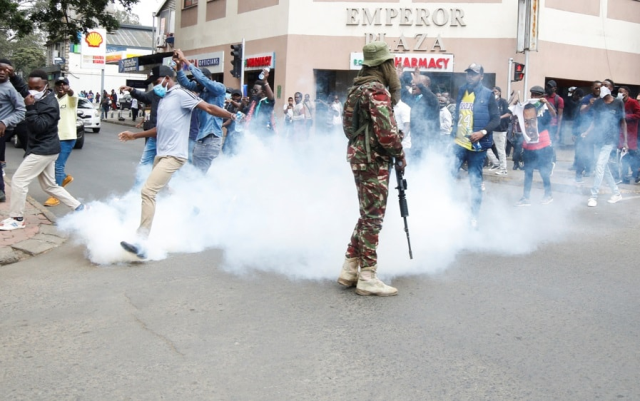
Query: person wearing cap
{"points": [[43, 147], [474, 121], [607, 124], [374, 142], [209, 140], [68, 102], [149, 152], [172, 134]]}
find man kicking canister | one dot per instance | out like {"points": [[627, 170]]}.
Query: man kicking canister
{"points": [[172, 133]]}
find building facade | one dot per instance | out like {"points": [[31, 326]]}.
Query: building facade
{"points": [[314, 46]]}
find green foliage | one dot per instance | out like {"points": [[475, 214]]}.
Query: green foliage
{"points": [[26, 53], [63, 19]]}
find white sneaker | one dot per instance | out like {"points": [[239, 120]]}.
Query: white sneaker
{"points": [[11, 224], [615, 198], [592, 202]]}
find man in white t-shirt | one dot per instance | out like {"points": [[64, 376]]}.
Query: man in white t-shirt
{"points": [[68, 103], [134, 109], [402, 112], [172, 146]]}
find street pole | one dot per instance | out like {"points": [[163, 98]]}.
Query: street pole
{"points": [[242, 71], [526, 75], [153, 33], [509, 76], [101, 82]]}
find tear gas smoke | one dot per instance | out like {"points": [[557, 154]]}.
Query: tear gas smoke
{"points": [[289, 206]]}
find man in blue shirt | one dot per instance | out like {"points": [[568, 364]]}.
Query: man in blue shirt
{"points": [[209, 139]]}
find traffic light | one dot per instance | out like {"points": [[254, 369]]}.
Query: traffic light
{"points": [[518, 72], [236, 60]]}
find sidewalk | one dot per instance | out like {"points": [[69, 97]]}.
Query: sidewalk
{"points": [[122, 117], [39, 236]]}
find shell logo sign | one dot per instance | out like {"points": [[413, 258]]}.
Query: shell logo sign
{"points": [[94, 48], [94, 39]]}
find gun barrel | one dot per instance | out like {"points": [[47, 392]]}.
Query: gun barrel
{"points": [[404, 208]]}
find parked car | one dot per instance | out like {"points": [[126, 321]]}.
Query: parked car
{"points": [[21, 134], [89, 114]]}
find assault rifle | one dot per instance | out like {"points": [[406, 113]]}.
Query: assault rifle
{"points": [[404, 209]]}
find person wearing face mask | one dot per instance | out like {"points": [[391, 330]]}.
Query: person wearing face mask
{"points": [[500, 134], [209, 140], [149, 152], [43, 147], [172, 134], [632, 116], [374, 141], [608, 122], [476, 118]]}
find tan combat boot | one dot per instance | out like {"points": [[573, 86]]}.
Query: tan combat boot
{"points": [[369, 284], [349, 274]]}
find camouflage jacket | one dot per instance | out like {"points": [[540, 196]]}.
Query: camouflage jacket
{"points": [[372, 104]]}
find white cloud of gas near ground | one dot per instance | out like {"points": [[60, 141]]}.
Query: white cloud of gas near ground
{"points": [[289, 206]]}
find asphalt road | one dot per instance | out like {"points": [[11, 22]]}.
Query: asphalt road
{"points": [[558, 323]]}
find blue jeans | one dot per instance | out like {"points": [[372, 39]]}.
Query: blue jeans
{"points": [[206, 149], [475, 161], [603, 171], [540, 159], [66, 147], [192, 144], [146, 161], [149, 152]]}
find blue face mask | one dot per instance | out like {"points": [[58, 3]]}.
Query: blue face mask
{"points": [[160, 90]]}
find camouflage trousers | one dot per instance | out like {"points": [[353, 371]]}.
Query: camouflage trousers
{"points": [[372, 183]]}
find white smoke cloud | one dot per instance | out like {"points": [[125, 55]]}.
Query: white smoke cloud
{"points": [[289, 206]]}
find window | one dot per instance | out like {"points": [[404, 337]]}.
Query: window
{"points": [[190, 3]]}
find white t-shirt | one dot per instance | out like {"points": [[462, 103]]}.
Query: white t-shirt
{"points": [[174, 121], [402, 112]]}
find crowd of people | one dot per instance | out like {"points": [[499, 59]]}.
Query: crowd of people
{"points": [[391, 117], [394, 117]]}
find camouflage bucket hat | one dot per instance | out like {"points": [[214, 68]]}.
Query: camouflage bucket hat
{"points": [[376, 53]]}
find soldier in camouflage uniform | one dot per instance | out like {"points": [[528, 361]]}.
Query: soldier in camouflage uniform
{"points": [[374, 140]]}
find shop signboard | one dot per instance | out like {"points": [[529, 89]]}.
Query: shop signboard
{"points": [[260, 61], [409, 62], [128, 65], [94, 48]]}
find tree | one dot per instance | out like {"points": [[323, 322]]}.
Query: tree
{"points": [[26, 53], [63, 19], [126, 18]]}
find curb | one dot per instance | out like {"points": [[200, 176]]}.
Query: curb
{"points": [[46, 238]]}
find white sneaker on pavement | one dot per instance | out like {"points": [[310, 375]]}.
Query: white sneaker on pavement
{"points": [[615, 198], [592, 202], [11, 224]]}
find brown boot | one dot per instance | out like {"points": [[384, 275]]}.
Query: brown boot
{"points": [[370, 284], [349, 274]]}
